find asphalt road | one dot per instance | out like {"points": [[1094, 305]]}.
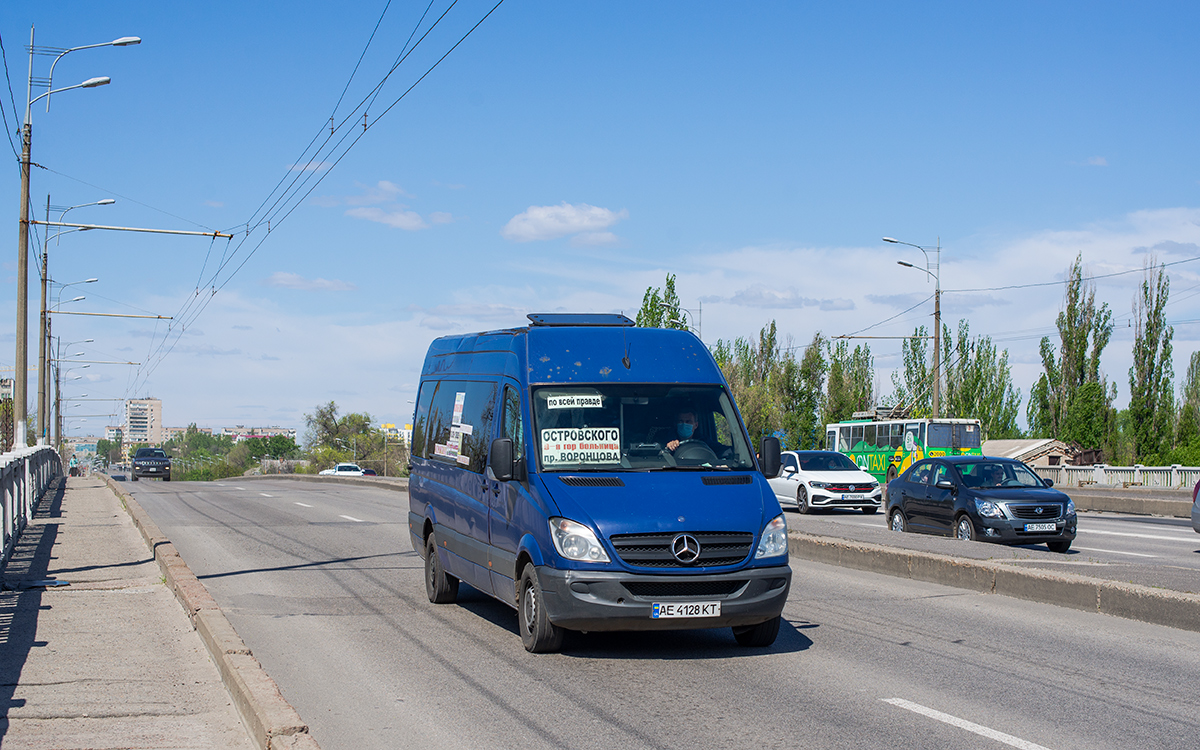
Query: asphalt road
{"points": [[323, 586]]}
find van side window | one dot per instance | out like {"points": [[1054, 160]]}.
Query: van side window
{"points": [[421, 420], [460, 423], [514, 426]]}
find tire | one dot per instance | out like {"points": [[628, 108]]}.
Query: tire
{"points": [[760, 635], [133, 477], [897, 522], [440, 586], [891, 474], [166, 477], [870, 510], [964, 529], [1061, 547], [539, 635], [802, 500]]}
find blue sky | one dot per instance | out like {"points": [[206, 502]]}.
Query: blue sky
{"points": [[567, 155]]}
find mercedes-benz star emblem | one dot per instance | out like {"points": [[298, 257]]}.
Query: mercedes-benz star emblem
{"points": [[686, 548]]}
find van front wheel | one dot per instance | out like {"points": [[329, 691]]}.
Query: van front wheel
{"points": [[539, 635], [760, 635], [440, 586]]}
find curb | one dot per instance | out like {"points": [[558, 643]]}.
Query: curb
{"points": [[270, 720], [1134, 502], [1130, 601]]}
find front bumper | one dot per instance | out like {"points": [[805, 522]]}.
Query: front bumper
{"points": [[819, 498], [606, 600], [1008, 531], [151, 471]]}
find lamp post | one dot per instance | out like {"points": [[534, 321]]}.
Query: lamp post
{"points": [[20, 383], [935, 274], [43, 371]]}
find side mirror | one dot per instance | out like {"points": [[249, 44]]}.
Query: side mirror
{"points": [[500, 458], [1048, 482], [946, 484], [770, 458]]}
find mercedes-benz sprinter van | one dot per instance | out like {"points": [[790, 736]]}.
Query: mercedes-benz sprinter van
{"points": [[594, 476]]}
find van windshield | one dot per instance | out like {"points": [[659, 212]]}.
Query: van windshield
{"points": [[638, 427]]}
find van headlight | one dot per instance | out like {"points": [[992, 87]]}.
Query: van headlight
{"points": [[774, 539], [575, 541]]}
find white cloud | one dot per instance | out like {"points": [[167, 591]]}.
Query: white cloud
{"points": [[1097, 161], [551, 222], [285, 280], [214, 204], [383, 191], [400, 218], [441, 217]]}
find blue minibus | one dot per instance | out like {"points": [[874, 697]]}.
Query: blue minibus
{"points": [[594, 476]]}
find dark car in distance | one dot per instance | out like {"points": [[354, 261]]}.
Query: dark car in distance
{"points": [[151, 462], [981, 498]]}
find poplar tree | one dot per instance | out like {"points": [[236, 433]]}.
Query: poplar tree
{"points": [[1151, 389]]}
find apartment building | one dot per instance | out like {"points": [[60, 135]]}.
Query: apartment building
{"points": [[143, 421]]}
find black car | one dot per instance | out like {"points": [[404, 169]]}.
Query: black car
{"points": [[150, 462], [981, 498]]}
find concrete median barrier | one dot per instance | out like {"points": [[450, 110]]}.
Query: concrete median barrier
{"points": [[269, 719], [1158, 606]]}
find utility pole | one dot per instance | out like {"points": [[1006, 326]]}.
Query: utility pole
{"points": [[21, 379], [937, 334]]}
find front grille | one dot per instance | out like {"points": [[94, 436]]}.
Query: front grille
{"points": [[850, 487], [1049, 511], [592, 481], [735, 479], [654, 550], [666, 589]]}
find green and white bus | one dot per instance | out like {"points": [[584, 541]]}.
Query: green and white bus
{"points": [[886, 447]]}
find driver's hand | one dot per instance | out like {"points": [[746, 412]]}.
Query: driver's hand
{"points": [[671, 446]]}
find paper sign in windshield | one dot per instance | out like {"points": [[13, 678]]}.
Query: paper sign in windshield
{"points": [[581, 445], [576, 401]]}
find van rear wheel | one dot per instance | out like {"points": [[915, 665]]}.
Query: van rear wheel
{"points": [[440, 586], [760, 635], [539, 635]]}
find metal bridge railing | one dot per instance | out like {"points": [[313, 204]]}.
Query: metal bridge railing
{"points": [[1166, 477], [25, 474]]}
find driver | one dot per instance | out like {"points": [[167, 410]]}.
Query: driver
{"points": [[685, 428], [993, 475]]}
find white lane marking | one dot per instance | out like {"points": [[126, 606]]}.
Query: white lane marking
{"points": [[982, 731], [243, 489], [265, 494], [1140, 536], [352, 518], [1114, 552], [304, 505]]}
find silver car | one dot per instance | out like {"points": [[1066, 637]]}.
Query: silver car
{"points": [[1196, 507]]}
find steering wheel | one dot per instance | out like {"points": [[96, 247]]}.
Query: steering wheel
{"points": [[694, 452]]}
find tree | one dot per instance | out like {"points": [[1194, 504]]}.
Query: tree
{"points": [[660, 308], [851, 381], [1151, 391], [1188, 430], [800, 387], [978, 383], [912, 384], [1084, 330]]}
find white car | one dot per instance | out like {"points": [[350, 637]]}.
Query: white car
{"points": [[825, 479], [343, 470]]}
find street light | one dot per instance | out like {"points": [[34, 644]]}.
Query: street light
{"points": [[934, 274], [43, 370], [21, 383]]}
